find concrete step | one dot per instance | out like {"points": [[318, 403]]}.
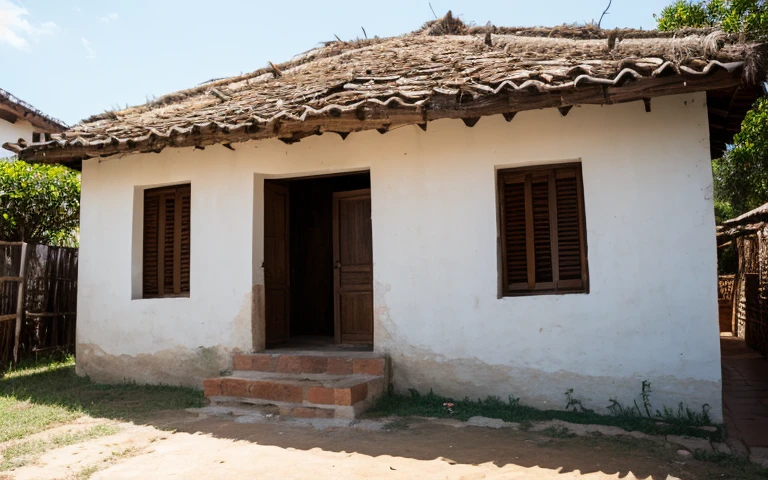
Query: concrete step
{"points": [[332, 363], [306, 395]]}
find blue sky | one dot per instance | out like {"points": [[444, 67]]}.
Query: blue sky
{"points": [[76, 58]]}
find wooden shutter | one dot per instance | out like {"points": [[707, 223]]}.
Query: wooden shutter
{"points": [[151, 245], [514, 227], [185, 257], [167, 214], [543, 239], [570, 248]]}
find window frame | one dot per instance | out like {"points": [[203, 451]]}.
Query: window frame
{"points": [[556, 286], [177, 191]]}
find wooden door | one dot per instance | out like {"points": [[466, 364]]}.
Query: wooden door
{"points": [[353, 267], [276, 258]]}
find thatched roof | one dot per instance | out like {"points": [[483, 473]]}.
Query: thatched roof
{"points": [[13, 108], [759, 214], [745, 224], [445, 70]]}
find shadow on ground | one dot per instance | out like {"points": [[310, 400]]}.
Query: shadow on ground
{"points": [[417, 439]]}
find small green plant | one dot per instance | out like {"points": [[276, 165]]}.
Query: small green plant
{"points": [[685, 415], [646, 395], [631, 418], [619, 410], [574, 403]]}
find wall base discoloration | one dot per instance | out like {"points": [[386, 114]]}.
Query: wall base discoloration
{"points": [[461, 377], [421, 369], [175, 366]]}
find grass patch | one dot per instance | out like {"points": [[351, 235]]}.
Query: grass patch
{"points": [[88, 471], [723, 459], [431, 405], [745, 470], [19, 418], [40, 394], [22, 453]]}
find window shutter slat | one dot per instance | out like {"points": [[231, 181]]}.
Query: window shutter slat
{"points": [[150, 257], [186, 208], [169, 207], [568, 231], [541, 230], [515, 238]]}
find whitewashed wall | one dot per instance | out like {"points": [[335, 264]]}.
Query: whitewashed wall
{"points": [[12, 132], [650, 314]]}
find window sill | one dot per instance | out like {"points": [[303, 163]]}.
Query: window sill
{"points": [[164, 297], [543, 293]]}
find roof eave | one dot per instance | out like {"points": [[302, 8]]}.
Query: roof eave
{"points": [[377, 115], [27, 112]]}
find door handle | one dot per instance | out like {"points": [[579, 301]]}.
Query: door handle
{"points": [[337, 265]]}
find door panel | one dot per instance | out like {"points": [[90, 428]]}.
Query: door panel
{"points": [[353, 267], [276, 272]]}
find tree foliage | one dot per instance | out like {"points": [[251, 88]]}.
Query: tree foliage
{"points": [[39, 203], [741, 175], [748, 17]]}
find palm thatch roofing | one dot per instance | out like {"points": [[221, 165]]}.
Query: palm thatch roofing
{"points": [[444, 70], [13, 108]]}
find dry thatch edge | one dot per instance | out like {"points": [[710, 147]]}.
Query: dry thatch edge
{"points": [[350, 48], [255, 120], [16, 101]]}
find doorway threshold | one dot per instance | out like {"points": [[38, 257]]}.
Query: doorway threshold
{"points": [[318, 344]]}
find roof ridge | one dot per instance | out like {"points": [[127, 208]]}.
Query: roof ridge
{"points": [[430, 28]]}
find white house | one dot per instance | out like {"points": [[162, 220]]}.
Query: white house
{"points": [[21, 121], [427, 210]]}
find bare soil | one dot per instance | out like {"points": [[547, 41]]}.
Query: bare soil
{"points": [[181, 444]]}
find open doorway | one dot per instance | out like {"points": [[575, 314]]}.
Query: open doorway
{"points": [[318, 262]]}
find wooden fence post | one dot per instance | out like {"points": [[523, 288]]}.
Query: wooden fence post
{"points": [[20, 302]]}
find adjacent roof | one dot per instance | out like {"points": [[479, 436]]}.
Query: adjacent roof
{"points": [[444, 70], [759, 214], [13, 108], [745, 224]]}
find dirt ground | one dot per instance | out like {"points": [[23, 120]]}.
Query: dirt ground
{"points": [[182, 444]]}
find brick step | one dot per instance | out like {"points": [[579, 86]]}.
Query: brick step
{"points": [[331, 363], [298, 394]]}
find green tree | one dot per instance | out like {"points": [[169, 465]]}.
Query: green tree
{"points": [[749, 17], [39, 203], [741, 175]]}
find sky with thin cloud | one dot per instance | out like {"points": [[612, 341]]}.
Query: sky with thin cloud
{"points": [[73, 59]]}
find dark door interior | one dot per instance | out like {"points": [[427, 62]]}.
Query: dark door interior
{"points": [[308, 315]]}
